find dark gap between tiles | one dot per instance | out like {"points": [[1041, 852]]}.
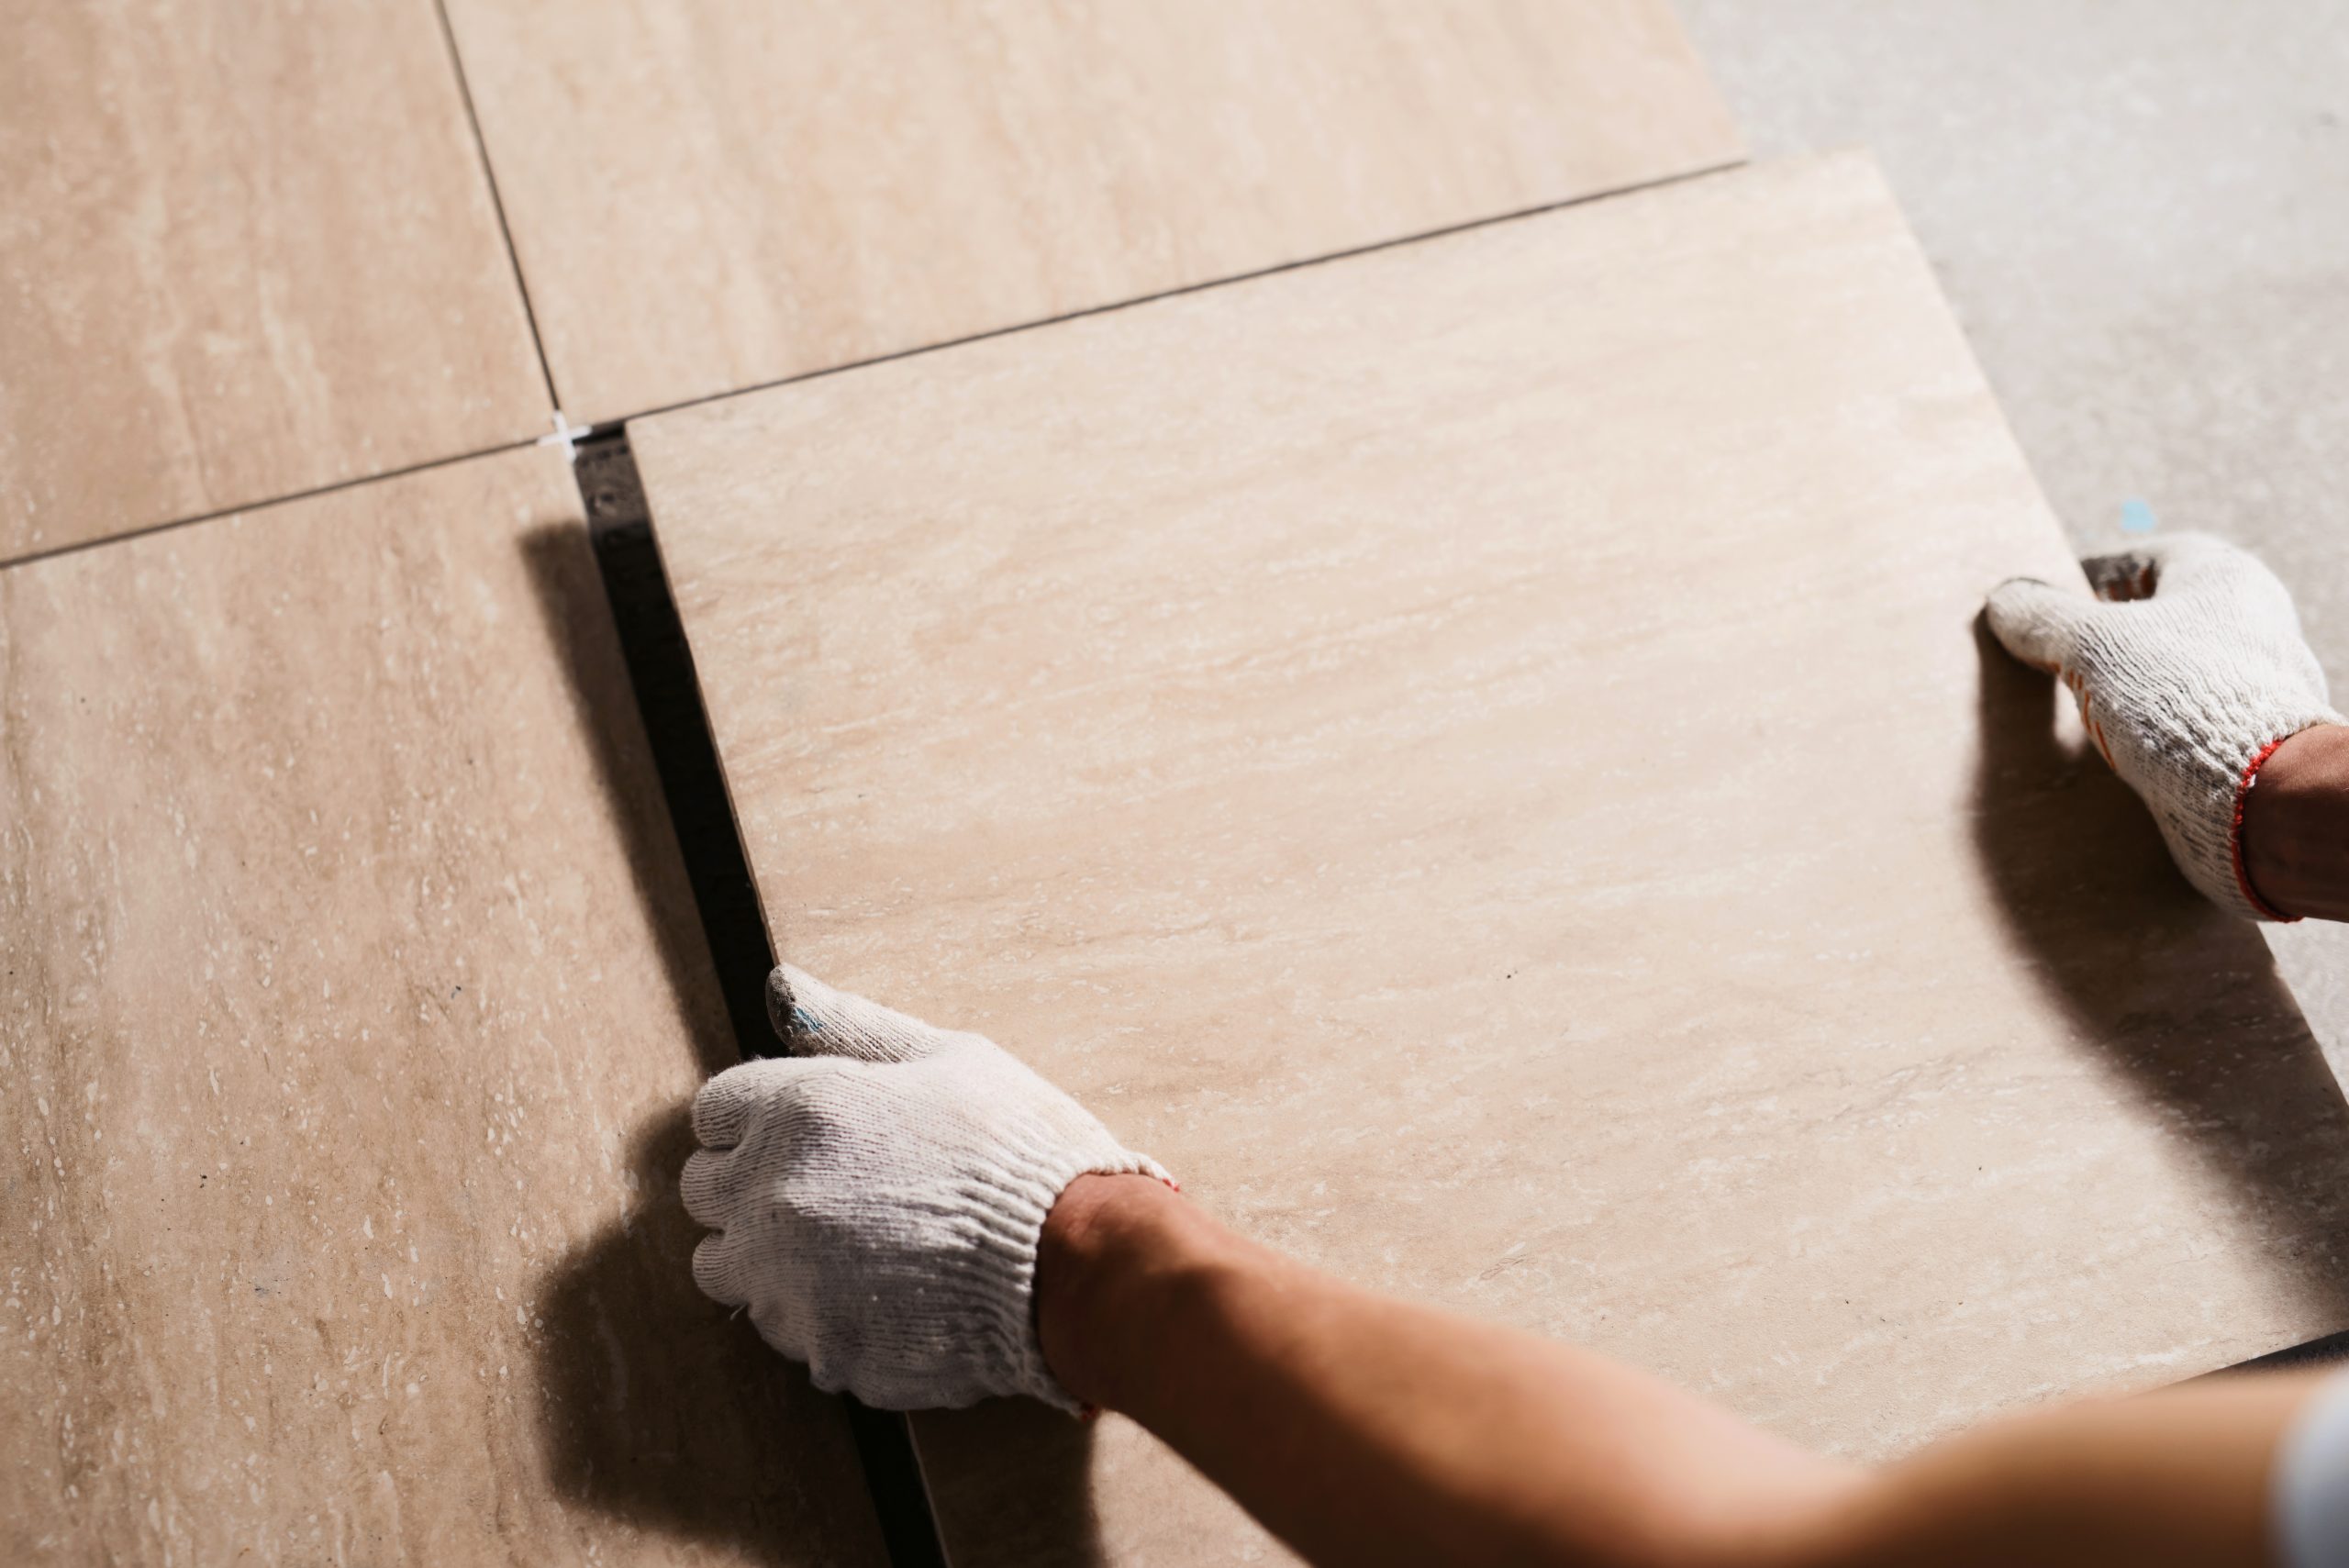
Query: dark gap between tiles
{"points": [[2331, 1350], [668, 699]]}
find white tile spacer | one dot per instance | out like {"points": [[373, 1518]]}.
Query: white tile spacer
{"points": [[566, 435]]}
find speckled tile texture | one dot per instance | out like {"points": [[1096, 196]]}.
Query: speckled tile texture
{"points": [[352, 1002], [2139, 211], [1479, 756]]}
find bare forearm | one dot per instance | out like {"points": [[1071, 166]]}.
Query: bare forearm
{"points": [[2174, 1479], [2295, 835], [1365, 1431]]}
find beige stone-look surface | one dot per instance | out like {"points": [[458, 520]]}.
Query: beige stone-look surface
{"points": [[353, 1001], [711, 196], [245, 251], [1478, 756]]}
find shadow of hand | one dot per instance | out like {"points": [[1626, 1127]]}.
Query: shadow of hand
{"points": [[657, 1409], [2179, 1000], [2084, 881]]}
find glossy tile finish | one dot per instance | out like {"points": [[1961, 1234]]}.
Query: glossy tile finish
{"points": [[353, 1001], [245, 251], [1478, 756], [709, 197]]}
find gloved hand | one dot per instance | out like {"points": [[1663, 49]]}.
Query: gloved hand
{"points": [[878, 1197], [2189, 669]]}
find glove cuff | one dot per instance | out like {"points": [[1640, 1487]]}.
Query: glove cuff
{"points": [[1005, 1218], [2200, 803]]}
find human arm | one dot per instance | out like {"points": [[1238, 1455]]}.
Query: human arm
{"points": [[1366, 1430], [2296, 825], [2195, 683], [928, 1222]]}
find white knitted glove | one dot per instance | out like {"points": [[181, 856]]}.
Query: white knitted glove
{"points": [[878, 1199], [2189, 669]]}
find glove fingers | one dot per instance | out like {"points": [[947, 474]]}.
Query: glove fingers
{"points": [[723, 1107], [2181, 560], [2199, 568], [704, 1188], [2037, 622], [2124, 576], [715, 1272], [2178, 563], [817, 1019]]}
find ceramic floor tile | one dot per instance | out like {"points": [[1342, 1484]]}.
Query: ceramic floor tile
{"points": [[354, 1001], [712, 196], [246, 251], [1478, 755]]}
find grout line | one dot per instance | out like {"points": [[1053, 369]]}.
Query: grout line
{"points": [[1661, 183], [579, 435], [564, 431], [497, 205], [733, 920], [246, 508]]}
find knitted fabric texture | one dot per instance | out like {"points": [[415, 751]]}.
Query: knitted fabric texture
{"points": [[2188, 667], [878, 1197]]}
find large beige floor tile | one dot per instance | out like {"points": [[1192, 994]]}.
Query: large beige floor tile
{"points": [[352, 1002], [1478, 756], [245, 251], [710, 196]]}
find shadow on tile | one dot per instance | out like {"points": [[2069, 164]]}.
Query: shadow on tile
{"points": [[578, 621], [1012, 1482], [2100, 914], [657, 1409]]}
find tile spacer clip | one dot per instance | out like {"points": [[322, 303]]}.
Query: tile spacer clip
{"points": [[566, 435]]}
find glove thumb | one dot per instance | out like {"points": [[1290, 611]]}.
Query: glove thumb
{"points": [[2037, 622], [816, 1019]]}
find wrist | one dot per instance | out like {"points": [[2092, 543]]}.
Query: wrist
{"points": [[2294, 834], [1114, 1255]]}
